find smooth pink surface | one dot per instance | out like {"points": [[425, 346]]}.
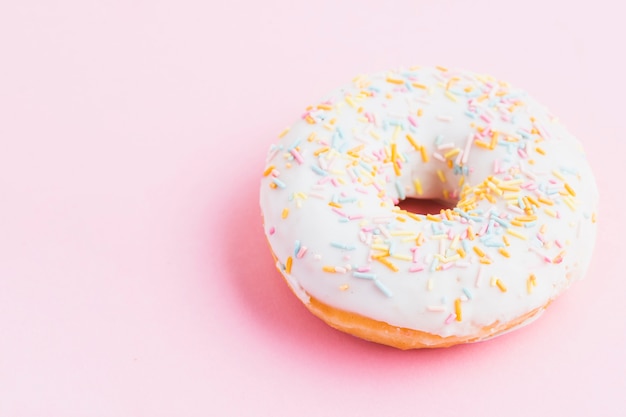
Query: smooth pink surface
{"points": [[134, 276]]}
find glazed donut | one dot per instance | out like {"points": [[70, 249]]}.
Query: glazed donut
{"points": [[516, 225]]}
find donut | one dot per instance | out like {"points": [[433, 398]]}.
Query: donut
{"points": [[515, 212]]}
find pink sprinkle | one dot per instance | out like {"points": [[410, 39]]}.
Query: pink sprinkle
{"points": [[355, 217], [339, 212], [450, 318], [297, 156], [496, 166], [522, 153], [301, 252], [361, 190], [436, 308], [558, 243], [439, 157], [541, 238], [416, 268], [485, 118], [272, 230], [412, 121], [334, 182], [363, 269], [479, 276]]}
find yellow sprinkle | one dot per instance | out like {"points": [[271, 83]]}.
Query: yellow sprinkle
{"points": [[530, 218], [419, 240], [420, 112], [516, 234], [402, 257], [546, 201], [461, 252], [285, 213], [505, 239], [485, 260], [504, 253], [374, 134], [344, 287], [412, 142], [268, 170], [451, 96], [429, 284], [550, 212], [570, 190], [333, 204], [283, 133], [569, 203], [272, 185], [470, 233], [445, 194], [418, 186], [558, 175], [400, 219], [433, 218], [328, 268], [442, 69], [457, 309], [321, 150], [451, 153], [424, 154], [441, 176], [417, 85], [309, 119], [594, 217], [288, 265], [500, 285], [540, 150], [350, 101], [494, 188], [394, 160]]}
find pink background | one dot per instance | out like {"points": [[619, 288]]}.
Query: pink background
{"points": [[134, 276]]}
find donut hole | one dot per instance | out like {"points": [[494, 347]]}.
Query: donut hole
{"points": [[425, 205]]}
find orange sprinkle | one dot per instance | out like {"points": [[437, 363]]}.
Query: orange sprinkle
{"points": [[309, 119], [479, 251], [530, 283], [482, 144], [285, 213], [288, 265], [272, 185], [311, 137], [504, 253], [457, 309], [387, 264], [268, 170], [344, 287], [470, 233], [324, 107], [500, 285], [485, 260], [540, 150], [394, 80], [412, 142], [328, 268], [333, 204], [441, 176], [461, 252]]}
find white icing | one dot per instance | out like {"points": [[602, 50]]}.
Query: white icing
{"points": [[344, 215]]}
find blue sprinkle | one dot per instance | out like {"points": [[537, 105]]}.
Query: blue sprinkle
{"points": [[400, 188], [364, 275], [343, 220], [279, 183], [296, 249], [530, 224], [433, 265], [467, 293], [318, 171], [295, 144], [365, 165], [502, 222], [470, 114], [339, 132], [392, 248], [346, 200], [342, 246], [492, 243], [383, 288]]}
